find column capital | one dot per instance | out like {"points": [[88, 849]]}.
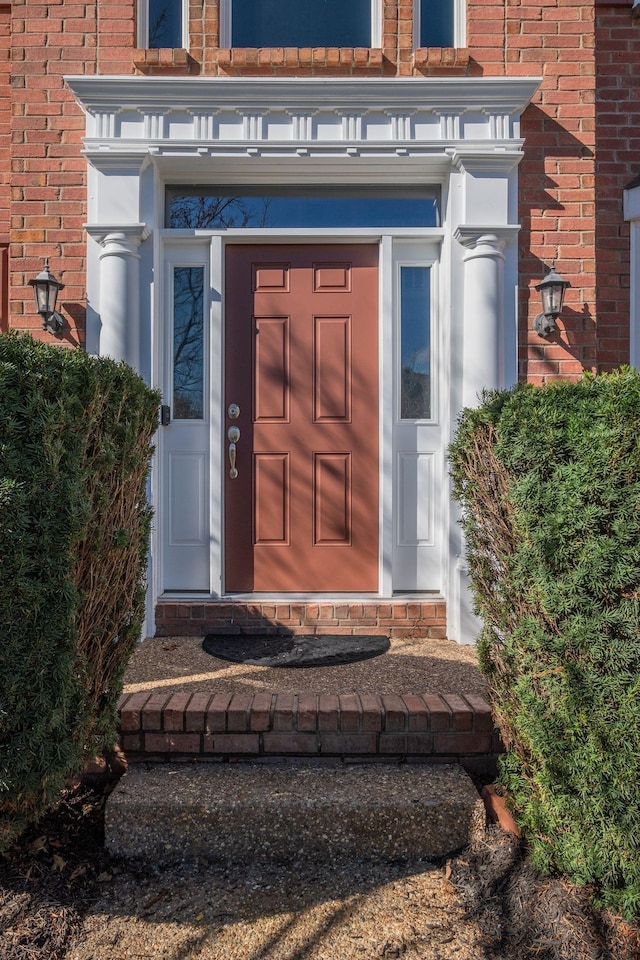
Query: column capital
{"points": [[485, 241], [126, 237]]}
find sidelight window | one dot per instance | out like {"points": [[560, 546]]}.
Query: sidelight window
{"points": [[415, 343], [188, 343]]}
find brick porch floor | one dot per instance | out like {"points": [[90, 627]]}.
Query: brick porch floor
{"points": [[215, 725]]}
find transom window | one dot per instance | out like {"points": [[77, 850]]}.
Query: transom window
{"points": [[300, 23], [224, 208]]}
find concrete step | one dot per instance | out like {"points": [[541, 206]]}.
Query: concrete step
{"points": [[284, 811]]}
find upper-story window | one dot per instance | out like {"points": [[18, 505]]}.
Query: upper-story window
{"points": [[438, 23], [300, 23], [161, 23]]}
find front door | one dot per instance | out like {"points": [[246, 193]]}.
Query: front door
{"points": [[301, 418]]}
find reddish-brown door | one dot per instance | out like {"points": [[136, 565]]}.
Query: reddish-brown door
{"points": [[301, 364]]}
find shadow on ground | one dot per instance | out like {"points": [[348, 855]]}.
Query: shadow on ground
{"points": [[410, 666]]}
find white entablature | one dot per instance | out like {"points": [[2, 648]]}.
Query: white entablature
{"points": [[169, 117]]}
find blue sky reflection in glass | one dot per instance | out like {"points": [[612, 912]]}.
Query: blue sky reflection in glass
{"points": [[301, 23], [437, 23], [188, 343], [165, 23], [415, 343], [306, 210]]}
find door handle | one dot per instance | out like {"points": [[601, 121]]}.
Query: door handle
{"points": [[233, 435]]}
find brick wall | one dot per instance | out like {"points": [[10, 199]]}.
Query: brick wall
{"points": [[618, 156], [48, 173], [5, 159], [559, 196]]}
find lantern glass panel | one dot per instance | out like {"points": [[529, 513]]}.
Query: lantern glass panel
{"points": [[42, 295], [552, 298]]}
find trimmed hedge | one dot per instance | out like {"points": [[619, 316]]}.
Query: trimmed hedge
{"points": [[549, 482], [75, 444]]}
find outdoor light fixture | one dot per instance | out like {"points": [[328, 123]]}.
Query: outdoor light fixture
{"points": [[45, 290], [552, 290]]}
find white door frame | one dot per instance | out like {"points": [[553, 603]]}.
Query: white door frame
{"points": [[463, 132], [395, 246]]}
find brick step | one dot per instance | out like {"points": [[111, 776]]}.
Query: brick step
{"points": [[427, 728], [394, 618], [247, 812]]}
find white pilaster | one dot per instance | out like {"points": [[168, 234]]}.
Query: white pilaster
{"points": [[632, 214]]}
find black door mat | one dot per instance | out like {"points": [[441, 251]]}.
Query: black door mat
{"points": [[295, 651]]}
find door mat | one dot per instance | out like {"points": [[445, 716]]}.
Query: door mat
{"points": [[295, 651]]}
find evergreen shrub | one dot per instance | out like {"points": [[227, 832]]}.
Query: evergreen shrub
{"points": [[549, 482], [75, 444]]}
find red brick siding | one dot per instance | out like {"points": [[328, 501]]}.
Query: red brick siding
{"points": [[5, 159], [559, 196], [5, 119], [48, 173], [557, 191], [618, 159]]}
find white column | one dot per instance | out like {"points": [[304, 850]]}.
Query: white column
{"points": [[119, 302], [483, 313], [482, 365]]}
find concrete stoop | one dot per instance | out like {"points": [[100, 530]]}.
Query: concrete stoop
{"points": [[284, 811]]}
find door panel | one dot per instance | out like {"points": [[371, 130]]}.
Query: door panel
{"points": [[332, 369], [301, 362]]}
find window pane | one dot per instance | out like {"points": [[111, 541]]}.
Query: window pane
{"points": [[165, 23], [188, 343], [301, 23], [306, 207], [436, 23], [415, 343]]}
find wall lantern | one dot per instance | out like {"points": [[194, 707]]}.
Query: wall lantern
{"points": [[45, 290], [552, 290]]}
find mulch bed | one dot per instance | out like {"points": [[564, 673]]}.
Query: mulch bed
{"points": [[523, 916], [49, 879]]}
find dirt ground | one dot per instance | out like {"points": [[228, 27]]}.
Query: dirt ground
{"points": [[62, 898]]}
